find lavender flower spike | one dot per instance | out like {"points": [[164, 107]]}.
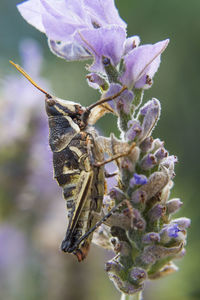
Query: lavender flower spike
{"points": [[141, 229]]}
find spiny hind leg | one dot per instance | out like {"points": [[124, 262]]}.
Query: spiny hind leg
{"points": [[114, 148], [115, 157]]}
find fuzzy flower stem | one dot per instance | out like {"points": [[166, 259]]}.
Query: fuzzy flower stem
{"points": [[137, 296]]}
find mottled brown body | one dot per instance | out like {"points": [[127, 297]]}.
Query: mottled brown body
{"points": [[75, 149], [78, 163]]}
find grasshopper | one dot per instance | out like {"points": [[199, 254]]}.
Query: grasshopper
{"points": [[78, 162]]}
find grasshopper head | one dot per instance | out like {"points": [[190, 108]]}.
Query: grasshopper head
{"points": [[56, 107], [65, 121]]}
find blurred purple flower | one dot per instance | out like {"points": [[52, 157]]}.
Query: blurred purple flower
{"points": [[40, 172], [21, 100], [13, 248]]}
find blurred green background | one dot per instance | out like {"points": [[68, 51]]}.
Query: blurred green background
{"points": [[49, 274]]}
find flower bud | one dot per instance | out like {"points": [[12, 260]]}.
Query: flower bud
{"points": [[139, 222], [156, 182], [172, 232], [138, 197], [173, 206], [114, 270], [113, 266], [138, 275], [169, 163], [157, 143], [154, 253], [151, 237], [117, 194], [122, 103], [131, 43], [156, 212], [160, 154], [182, 223], [166, 192], [149, 114], [146, 144], [133, 131], [148, 162]]}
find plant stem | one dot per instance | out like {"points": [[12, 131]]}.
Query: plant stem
{"points": [[137, 296]]}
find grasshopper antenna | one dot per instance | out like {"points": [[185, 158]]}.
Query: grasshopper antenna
{"points": [[30, 79], [101, 101], [107, 99]]}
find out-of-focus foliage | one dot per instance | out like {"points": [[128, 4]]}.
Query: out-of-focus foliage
{"points": [[32, 212]]}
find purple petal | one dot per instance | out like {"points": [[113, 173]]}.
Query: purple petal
{"points": [[95, 81], [142, 63], [31, 12], [123, 103], [173, 231], [107, 41], [131, 43], [103, 12], [70, 51], [161, 153], [13, 248], [61, 21], [138, 180], [182, 223]]}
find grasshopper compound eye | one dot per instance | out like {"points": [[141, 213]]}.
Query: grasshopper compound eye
{"points": [[50, 101]]}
